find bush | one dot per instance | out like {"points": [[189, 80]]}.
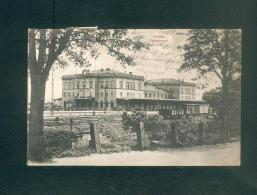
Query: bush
{"points": [[57, 142], [187, 128], [132, 121]]}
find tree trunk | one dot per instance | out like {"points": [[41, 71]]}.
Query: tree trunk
{"points": [[224, 111], [36, 136]]}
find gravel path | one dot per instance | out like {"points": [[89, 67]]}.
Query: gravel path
{"points": [[215, 155]]}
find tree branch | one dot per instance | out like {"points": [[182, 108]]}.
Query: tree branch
{"points": [[53, 54]]}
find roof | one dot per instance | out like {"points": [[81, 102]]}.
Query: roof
{"points": [[103, 74], [169, 81], [150, 87]]}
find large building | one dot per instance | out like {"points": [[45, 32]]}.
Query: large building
{"points": [[112, 90]]}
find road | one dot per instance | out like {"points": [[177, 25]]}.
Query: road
{"points": [[215, 155]]}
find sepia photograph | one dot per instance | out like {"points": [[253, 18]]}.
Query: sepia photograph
{"points": [[134, 97]]}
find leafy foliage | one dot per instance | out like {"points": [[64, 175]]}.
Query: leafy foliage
{"points": [[216, 51], [80, 45]]}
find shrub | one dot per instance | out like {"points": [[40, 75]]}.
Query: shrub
{"points": [[133, 120], [57, 142], [187, 128]]}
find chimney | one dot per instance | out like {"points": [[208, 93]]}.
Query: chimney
{"points": [[108, 69], [130, 73], [102, 70]]}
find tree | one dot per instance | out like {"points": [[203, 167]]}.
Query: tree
{"points": [[63, 47], [218, 52]]}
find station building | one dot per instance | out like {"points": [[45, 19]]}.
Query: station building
{"points": [[107, 89]]}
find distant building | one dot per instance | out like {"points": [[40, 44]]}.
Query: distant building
{"points": [[104, 89], [178, 89], [112, 90]]}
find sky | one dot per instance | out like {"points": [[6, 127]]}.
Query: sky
{"points": [[161, 61]]}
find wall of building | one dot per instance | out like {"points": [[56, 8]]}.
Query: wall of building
{"points": [[129, 88], [152, 92]]}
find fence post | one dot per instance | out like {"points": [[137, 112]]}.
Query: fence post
{"points": [[173, 134], [71, 123], [95, 142], [200, 133]]}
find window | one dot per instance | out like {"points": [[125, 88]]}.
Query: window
{"points": [[69, 94], [102, 84], [102, 94], [121, 84], [150, 95], [154, 95], [161, 95], [112, 84], [139, 86], [64, 94], [127, 85], [78, 83], [84, 84], [106, 94], [120, 94], [77, 94], [90, 84], [145, 94], [128, 94], [112, 94]]}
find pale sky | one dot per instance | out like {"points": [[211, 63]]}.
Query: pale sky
{"points": [[161, 61]]}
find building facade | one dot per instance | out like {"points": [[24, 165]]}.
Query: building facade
{"points": [[112, 90]]}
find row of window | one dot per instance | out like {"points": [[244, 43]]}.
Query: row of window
{"points": [[70, 85], [154, 95], [186, 97], [69, 94], [131, 85], [102, 84], [129, 95], [187, 90]]}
